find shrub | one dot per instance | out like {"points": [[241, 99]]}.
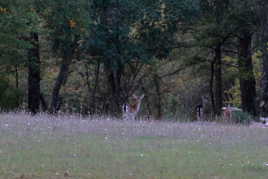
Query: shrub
{"points": [[3, 86], [10, 97], [241, 117]]}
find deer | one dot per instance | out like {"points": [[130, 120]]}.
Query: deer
{"points": [[227, 111], [131, 109]]}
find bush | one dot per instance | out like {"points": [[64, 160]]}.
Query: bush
{"points": [[3, 86], [10, 97], [241, 117]]}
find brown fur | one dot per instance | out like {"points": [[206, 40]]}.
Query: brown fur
{"points": [[133, 104], [133, 107], [227, 114]]}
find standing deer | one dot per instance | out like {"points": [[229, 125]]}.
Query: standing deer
{"points": [[228, 111], [131, 109]]}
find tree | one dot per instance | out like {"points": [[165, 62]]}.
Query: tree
{"points": [[17, 39], [213, 35], [34, 61], [128, 34], [247, 79], [67, 21], [223, 22], [245, 19], [34, 94], [263, 34]]}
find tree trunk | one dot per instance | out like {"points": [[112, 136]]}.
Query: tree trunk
{"points": [[211, 85], [17, 76], [247, 79], [43, 102], [147, 102], [114, 90], [60, 81], [159, 97], [264, 47], [218, 81], [34, 74], [96, 86]]}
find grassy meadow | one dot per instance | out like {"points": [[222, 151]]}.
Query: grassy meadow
{"points": [[45, 147]]}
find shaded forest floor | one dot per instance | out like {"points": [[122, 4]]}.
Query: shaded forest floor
{"points": [[68, 147]]}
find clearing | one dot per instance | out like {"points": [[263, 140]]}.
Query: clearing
{"points": [[45, 147]]}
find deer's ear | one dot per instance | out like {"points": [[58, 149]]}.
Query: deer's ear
{"points": [[142, 96]]}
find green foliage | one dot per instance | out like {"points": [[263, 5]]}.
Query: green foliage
{"points": [[241, 117], [10, 97], [13, 26], [126, 30], [3, 86], [67, 21], [234, 93], [127, 38], [158, 28]]}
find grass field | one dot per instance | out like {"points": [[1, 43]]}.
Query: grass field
{"points": [[68, 147]]}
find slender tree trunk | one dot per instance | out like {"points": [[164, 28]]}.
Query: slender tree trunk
{"points": [[60, 81], [96, 86], [147, 102], [114, 91], [17, 76], [218, 81], [211, 86], [87, 102], [43, 102], [247, 79], [159, 97], [34, 75]]}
